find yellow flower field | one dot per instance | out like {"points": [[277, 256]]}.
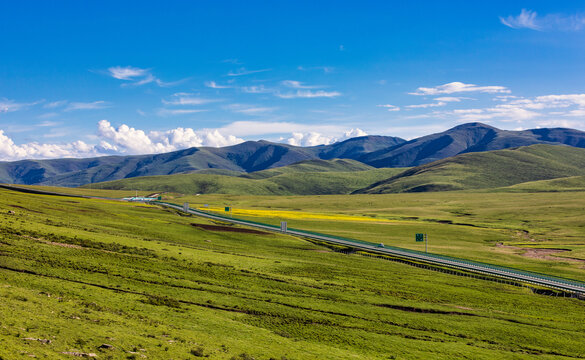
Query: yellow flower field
{"points": [[292, 215]]}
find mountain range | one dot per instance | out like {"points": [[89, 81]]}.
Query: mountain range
{"points": [[254, 156]]}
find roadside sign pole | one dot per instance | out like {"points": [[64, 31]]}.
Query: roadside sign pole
{"points": [[420, 237]]}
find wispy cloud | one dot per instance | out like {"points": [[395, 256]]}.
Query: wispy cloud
{"points": [[256, 89], [249, 109], [325, 69], [127, 72], [518, 109], [424, 106], [244, 71], [95, 105], [389, 107], [451, 98], [136, 76], [309, 94], [529, 19], [55, 104], [232, 61], [214, 85], [7, 106], [298, 85], [459, 87], [171, 112], [440, 101], [188, 99], [526, 19]]}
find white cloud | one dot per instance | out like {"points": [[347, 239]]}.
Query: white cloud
{"points": [[95, 105], [256, 89], [136, 76], [314, 138], [214, 85], [244, 71], [309, 94], [262, 128], [559, 123], [528, 19], [390, 107], [451, 99], [7, 106], [521, 109], [187, 99], [9, 151], [134, 141], [325, 69], [297, 85], [458, 87], [127, 72], [126, 140], [424, 106], [55, 104], [353, 133], [249, 109], [308, 139]]}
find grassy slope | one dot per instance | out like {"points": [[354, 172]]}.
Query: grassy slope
{"points": [[311, 177], [487, 170], [147, 282], [571, 183]]}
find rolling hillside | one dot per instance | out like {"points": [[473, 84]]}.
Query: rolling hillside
{"points": [[312, 177], [487, 170]]}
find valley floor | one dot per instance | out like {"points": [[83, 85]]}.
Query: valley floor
{"points": [[126, 280]]}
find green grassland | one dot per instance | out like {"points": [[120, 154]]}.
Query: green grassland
{"points": [[492, 169], [511, 229], [89, 191], [305, 178], [81, 273]]}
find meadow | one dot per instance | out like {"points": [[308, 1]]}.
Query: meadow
{"points": [[540, 232], [126, 280]]}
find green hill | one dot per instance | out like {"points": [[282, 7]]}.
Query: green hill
{"points": [[571, 183], [484, 170], [310, 166], [313, 177]]}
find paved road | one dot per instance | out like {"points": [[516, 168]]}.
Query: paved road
{"points": [[462, 264]]}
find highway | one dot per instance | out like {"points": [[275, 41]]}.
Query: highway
{"points": [[543, 280]]}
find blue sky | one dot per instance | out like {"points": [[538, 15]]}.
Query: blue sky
{"points": [[95, 78]]}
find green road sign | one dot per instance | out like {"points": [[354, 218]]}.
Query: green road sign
{"points": [[227, 209], [419, 237]]}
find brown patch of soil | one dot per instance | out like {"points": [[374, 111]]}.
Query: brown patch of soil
{"points": [[229, 229], [540, 253], [65, 245]]}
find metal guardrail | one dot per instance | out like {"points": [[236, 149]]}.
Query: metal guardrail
{"points": [[544, 280]]}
